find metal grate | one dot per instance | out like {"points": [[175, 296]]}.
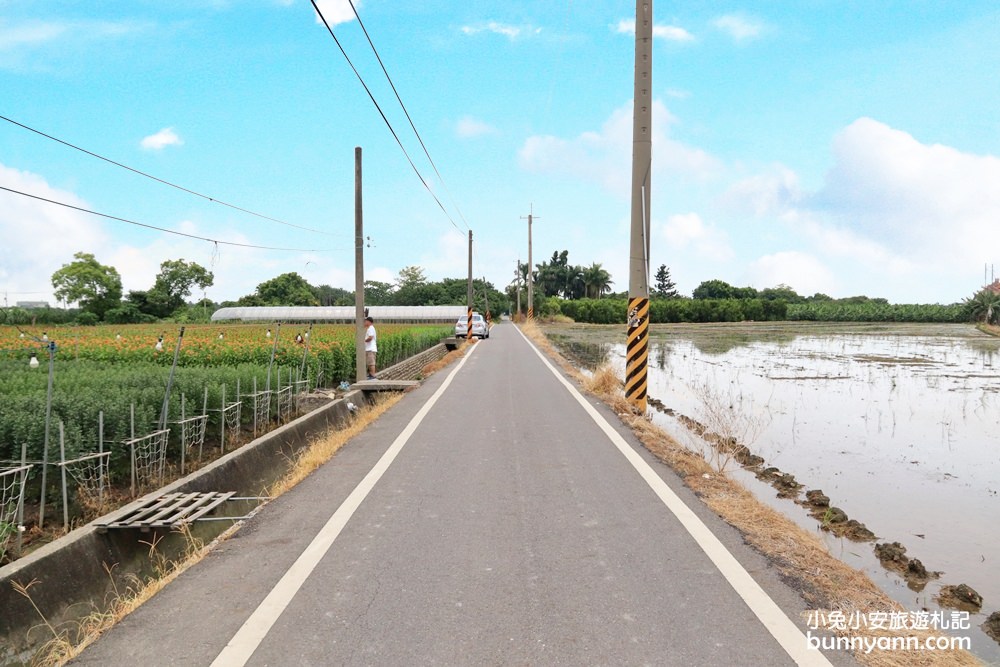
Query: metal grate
{"points": [[168, 511]]}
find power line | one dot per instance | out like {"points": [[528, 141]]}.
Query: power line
{"points": [[407, 113], [384, 119], [160, 180], [159, 229]]}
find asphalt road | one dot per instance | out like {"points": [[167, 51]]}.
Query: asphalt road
{"points": [[507, 530]]}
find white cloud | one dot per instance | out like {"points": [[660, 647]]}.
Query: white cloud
{"points": [[605, 156], [40, 237], [671, 33], [336, 11], [678, 94], [772, 192], [511, 32], [452, 251], [804, 273], [13, 37], [688, 231], [740, 27], [468, 128], [162, 139], [913, 221]]}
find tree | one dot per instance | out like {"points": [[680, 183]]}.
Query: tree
{"points": [[334, 296], [288, 289], [783, 292], [665, 287], [173, 284], [97, 288], [714, 289], [378, 293], [983, 306], [596, 281], [411, 276]]}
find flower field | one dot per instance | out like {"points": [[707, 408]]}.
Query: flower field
{"points": [[110, 369]]}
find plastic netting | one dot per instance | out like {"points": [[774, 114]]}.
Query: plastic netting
{"points": [[192, 435], [230, 423], [261, 410], [284, 403], [148, 454], [11, 505], [91, 473]]}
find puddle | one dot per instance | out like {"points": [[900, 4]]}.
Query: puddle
{"points": [[898, 424]]}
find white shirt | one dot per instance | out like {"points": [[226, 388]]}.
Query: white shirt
{"points": [[370, 345]]}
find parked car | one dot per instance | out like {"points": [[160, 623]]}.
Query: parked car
{"points": [[479, 326]]}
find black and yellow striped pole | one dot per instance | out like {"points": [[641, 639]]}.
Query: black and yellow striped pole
{"points": [[637, 350], [531, 291], [468, 320]]}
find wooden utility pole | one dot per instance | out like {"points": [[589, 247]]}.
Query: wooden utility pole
{"points": [[531, 291], [359, 272], [637, 349], [468, 322]]}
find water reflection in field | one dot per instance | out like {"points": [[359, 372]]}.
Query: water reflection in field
{"points": [[898, 424]]}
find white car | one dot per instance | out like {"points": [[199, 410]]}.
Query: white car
{"points": [[479, 327]]}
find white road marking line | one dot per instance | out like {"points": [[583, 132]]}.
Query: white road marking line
{"points": [[784, 631], [246, 640]]}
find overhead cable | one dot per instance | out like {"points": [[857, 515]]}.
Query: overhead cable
{"points": [[159, 229], [160, 180], [381, 113], [405, 111]]}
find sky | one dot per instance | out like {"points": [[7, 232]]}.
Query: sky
{"points": [[846, 147]]}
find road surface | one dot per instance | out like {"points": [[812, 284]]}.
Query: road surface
{"points": [[493, 517]]}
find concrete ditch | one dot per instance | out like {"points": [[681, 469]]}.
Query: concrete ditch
{"points": [[79, 573]]}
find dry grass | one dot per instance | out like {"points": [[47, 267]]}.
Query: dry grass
{"points": [[68, 643], [323, 449], [446, 360], [825, 582]]}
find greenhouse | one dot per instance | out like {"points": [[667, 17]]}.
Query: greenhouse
{"points": [[387, 314]]}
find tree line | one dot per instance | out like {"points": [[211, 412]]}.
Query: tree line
{"points": [[582, 293]]}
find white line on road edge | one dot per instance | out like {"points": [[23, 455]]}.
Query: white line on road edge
{"points": [[246, 640], [787, 634]]}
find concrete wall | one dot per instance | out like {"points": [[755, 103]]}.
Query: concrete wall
{"points": [[78, 573], [409, 369]]}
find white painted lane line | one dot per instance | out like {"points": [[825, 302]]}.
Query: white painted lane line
{"points": [[246, 640], [786, 633]]}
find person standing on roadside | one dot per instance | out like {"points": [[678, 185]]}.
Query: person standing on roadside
{"points": [[371, 346]]}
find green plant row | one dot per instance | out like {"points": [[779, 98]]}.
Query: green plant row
{"points": [[613, 311]]}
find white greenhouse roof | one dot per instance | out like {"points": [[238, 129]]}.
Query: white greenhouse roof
{"points": [[338, 313]]}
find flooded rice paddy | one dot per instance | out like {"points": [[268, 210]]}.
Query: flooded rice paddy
{"points": [[899, 425]]}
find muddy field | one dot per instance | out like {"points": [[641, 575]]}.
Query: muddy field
{"points": [[897, 425]]}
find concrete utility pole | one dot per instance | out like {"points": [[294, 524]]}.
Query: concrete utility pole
{"points": [[468, 322], [531, 291], [359, 273], [517, 284], [637, 349]]}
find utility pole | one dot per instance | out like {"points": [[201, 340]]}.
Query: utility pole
{"points": [[359, 273], [468, 322], [486, 299], [531, 291], [517, 284], [637, 349]]}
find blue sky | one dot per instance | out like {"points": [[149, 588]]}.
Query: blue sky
{"points": [[837, 147]]}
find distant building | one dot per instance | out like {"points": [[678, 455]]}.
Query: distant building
{"points": [[41, 304], [994, 286]]}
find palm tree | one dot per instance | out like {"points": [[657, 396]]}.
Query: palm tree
{"points": [[596, 280], [984, 306]]}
